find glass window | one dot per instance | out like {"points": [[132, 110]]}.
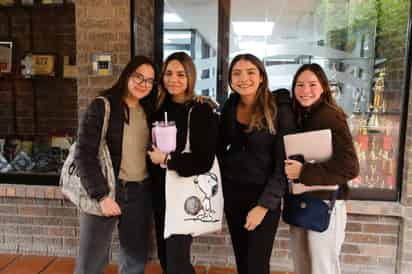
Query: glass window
{"points": [[361, 46], [186, 28], [359, 43]]}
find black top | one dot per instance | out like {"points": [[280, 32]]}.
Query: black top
{"points": [[203, 138], [258, 159]]}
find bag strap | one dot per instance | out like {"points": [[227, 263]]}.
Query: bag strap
{"points": [[187, 145], [333, 200], [106, 119]]}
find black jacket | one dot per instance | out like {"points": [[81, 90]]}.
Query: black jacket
{"points": [[261, 160], [88, 140], [203, 138]]}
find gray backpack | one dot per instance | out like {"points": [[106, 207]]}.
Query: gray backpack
{"points": [[70, 184]]}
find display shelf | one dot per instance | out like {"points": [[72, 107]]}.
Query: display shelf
{"points": [[30, 178], [36, 5]]}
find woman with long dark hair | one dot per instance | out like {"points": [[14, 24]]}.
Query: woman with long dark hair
{"points": [[251, 155], [176, 97], [318, 252], [131, 105]]}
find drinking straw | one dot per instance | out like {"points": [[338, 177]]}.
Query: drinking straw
{"points": [[166, 117]]}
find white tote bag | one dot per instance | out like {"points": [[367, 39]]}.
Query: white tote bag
{"points": [[70, 184], [194, 205]]}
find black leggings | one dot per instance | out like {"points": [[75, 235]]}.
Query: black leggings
{"points": [[173, 252], [252, 248]]}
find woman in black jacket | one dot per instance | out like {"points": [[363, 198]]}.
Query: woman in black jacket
{"points": [[251, 155], [131, 104], [176, 94]]}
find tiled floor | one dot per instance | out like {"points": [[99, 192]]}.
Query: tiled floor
{"points": [[28, 264]]}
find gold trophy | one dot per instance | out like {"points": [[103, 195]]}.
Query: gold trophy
{"points": [[378, 103]]}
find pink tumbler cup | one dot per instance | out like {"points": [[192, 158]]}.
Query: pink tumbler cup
{"points": [[164, 137]]}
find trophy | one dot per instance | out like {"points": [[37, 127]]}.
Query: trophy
{"points": [[378, 104], [357, 97], [334, 84]]}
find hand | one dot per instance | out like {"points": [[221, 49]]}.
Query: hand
{"points": [[298, 188], [255, 217], [293, 169], [208, 100], [109, 207], [157, 156]]}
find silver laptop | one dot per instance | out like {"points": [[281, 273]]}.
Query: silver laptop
{"points": [[315, 146]]}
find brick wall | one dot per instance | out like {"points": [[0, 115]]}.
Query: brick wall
{"points": [[405, 243], [46, 106], [101, 26], [37, 220]]}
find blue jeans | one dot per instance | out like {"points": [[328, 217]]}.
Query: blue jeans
{"points": [[134, 199]]}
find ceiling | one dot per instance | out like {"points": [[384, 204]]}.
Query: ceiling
{"points": [[294, 20]]}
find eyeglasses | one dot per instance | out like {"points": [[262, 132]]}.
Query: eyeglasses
{"points": [[139, 79]]}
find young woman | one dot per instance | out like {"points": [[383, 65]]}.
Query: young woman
{"points": [[251, 158], [314, 252], [131, 103], [176, 94]]}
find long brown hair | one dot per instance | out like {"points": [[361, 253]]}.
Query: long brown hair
{"points": [[326, 95], [190, 72], [264, 111]]}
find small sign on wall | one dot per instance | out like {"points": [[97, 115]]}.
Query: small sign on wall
{"points": [[6, 50], [38, 65], [102, 64], [43, 64]]}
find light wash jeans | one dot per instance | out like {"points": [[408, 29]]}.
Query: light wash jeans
{"points": [[318, 252]]}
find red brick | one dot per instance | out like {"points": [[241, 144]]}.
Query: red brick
{"points": [[380, 228], [362, 238], [350, 248], [32, 211], [356, 259]]}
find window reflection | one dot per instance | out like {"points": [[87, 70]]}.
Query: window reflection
{"points": [[187, 29], [357, 42]]}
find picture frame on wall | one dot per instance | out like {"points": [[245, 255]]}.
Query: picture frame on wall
{"points": [[39, 64], [43, 64], [6, 56]]}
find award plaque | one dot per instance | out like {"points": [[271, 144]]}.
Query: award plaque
{"points": [[43, 64], [6, 54]]}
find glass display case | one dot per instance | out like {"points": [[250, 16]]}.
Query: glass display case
{"points": [[38, 106]]}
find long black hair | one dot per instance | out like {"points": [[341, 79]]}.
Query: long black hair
{"points": [[120, 89]]}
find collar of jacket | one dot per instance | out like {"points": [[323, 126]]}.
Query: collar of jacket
{"points": [[313, 108]]}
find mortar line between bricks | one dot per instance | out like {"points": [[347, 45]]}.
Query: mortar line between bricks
{"points": [[47, 265]]}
